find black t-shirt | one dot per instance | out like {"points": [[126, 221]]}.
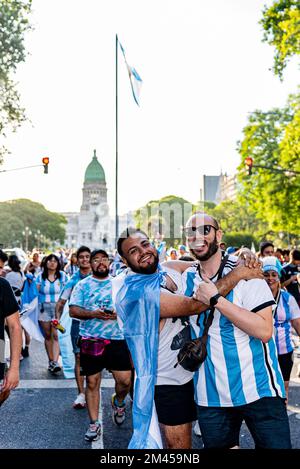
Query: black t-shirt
{"points": [[8, 306], [293, 288]]}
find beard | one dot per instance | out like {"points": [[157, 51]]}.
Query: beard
{"points": [[100, 274], [212, 249], [149, 269]]}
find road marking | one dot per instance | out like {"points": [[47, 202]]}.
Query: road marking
{"points": [[58, 384]]}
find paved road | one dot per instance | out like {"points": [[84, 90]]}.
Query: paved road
{"points": [[39, 413]]}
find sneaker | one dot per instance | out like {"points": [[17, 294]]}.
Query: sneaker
{"points": [[54, 367], [118, 411], [25, 352], [93, 432], [79, 402], [197, 429]]}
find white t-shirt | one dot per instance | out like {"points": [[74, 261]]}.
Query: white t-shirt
{"points": [[167, 358]]}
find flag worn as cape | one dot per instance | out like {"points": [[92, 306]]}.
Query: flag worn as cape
{"points": [[138, 306]]}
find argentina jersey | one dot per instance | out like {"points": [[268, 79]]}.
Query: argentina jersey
{"points": [[287, 310], [49, 291], [239, 369], [91, 294]]}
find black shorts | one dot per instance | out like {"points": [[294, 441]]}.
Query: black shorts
{"points": [[286, 365], [175, 404], [116, 357]]}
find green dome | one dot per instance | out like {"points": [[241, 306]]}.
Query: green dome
{"points": [[94, 172]]}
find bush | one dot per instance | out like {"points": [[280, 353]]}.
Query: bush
{"points": [[239, 239]]}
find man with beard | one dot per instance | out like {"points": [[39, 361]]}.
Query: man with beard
{"points": [[83, 258], [174, 392], [240, 378], [102, 343]]}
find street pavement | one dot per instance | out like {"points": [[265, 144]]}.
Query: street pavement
{"points": [[39, 413]]}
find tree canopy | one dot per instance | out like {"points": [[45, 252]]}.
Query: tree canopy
{"points": [[166, 217], [281, 24], [14, 24], [18, 214], [272, 139]]}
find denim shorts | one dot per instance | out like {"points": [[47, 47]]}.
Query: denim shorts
{"points": [[46, 312], [265, 418]]}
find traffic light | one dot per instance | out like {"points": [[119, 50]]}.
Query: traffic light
{"points": [[249, 164], [45, 161]]}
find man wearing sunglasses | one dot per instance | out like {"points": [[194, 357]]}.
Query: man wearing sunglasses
{"points": [[240, 378]]}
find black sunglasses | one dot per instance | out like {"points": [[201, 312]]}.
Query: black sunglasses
{"points": [[203, 230]]}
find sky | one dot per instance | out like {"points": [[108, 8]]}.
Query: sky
{"points": [[204, 69]]}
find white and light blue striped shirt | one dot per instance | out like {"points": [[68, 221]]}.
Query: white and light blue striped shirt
{"points": [[239, 369], [49, 291]]}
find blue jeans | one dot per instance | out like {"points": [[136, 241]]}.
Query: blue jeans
{"points": [[265, 418]]}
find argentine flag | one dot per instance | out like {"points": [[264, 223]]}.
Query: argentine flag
{"points": [[135, 80]]}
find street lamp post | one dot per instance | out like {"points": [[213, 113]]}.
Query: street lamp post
{"points": [[38, 238], [26, 233]]}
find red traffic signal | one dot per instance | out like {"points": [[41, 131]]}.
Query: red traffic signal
{"points": [[45, 161], [249, 164]]}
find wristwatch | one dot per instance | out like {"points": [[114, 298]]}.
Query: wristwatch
{"points": [[214, 299]]}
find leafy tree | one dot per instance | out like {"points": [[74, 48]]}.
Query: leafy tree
{"points": [[236, 217], [281, 24], [272, 140], [237, 239], [165, 217], [13, 26], [17, 214]]}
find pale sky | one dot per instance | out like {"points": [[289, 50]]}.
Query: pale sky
{"points": [[204, 69]]}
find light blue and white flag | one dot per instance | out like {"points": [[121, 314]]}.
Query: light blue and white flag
{"points": [[65, 344], [29, 311], [135, 79], [138, 307]]}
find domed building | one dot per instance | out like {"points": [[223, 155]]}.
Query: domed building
{"points": [[92, 226]]}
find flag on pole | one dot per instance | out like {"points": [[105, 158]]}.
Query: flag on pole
{"points": [[135, 79]]}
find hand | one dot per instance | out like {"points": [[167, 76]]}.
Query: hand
{"points": [[250, 259], [205, 291], [11, 380], [248, 273], [100, 314]]}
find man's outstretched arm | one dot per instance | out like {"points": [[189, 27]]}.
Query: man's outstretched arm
{"points": [[172, 305]]}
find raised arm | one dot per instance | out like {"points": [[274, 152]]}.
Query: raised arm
{"points": [[172, 306]]}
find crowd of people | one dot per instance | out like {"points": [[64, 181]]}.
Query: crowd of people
{"points": [[135, 311]]}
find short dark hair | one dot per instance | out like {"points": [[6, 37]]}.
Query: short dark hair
{"points": [[82, 249], [14, 263], [265, 244], [99, 251], [129, 231], [3, 256], [186, 258], [295, 254]]}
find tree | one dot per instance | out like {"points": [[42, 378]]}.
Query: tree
{"points": [[236, 217], [272, 139], [19, 213], [13, 26], [165, 217], [281, 23]]}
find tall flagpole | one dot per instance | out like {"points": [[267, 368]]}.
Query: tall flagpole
{"points": [[116, 198]]}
